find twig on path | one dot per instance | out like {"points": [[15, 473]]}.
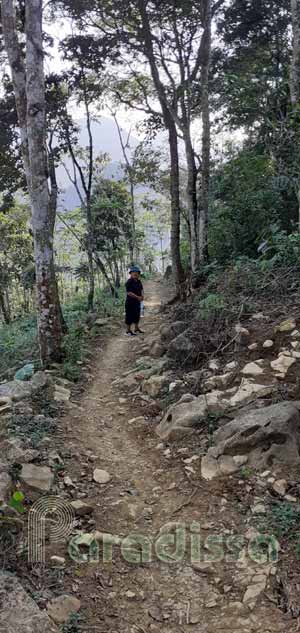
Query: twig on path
{"points": [[185, 503]]}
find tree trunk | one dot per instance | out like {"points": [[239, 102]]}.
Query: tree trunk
{"points": [[206, 141], [191, 192], [175, 209], [30, 103], [295, 62], [4, 309], [133, 237], [49, 313], [178, 272]]}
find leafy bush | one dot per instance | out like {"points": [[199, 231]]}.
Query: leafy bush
{"points": [[212, 304], [281, 248], [245, 200]]}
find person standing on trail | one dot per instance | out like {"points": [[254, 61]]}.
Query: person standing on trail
{"points": [[134, 298]]}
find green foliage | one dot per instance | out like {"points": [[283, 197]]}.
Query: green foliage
{"points": [[284, 520], [73, 624], [245, 202], [212, 304], [281, 248], [18, 341], [17, 501]]}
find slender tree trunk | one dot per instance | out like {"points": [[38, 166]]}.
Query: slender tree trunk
{"points": [[295, 62], [178, 272], [4, 309], [206, 141], [175, 209], [49, 313], [30, 102], [191, 192], [133, 236], [8, 304]]}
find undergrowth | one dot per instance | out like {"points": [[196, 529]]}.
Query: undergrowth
{"points": [[18, 340]]}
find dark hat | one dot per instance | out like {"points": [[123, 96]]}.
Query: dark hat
{"points": [[134, 269]]}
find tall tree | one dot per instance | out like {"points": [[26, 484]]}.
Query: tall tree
{"points": [[29, 89], [295, 63]]}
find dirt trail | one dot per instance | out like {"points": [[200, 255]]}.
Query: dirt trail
{"points": [[148, 489]]}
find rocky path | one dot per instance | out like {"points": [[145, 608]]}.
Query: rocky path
{"points": [[192, 575]]}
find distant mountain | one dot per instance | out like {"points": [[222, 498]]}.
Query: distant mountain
{"points": [[106, 140]]}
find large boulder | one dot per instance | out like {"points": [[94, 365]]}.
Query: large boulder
{"points": [[265, 436], [168, 332], [181, 418], [18, 612]]}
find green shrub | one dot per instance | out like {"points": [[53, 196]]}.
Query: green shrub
{"points": [[212, 304]]}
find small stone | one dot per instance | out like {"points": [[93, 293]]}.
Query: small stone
{"points": [[290, 498], [233, 365], [209, 468], [101, 476], [282, 364], [243, 334], [240, 460], [130, 595], [175, 385], [253, 591], [252, 369], [68, 482], [286, 326], [192, 459], [259, 508], [60, 609], [258, 316], [268, 344], [295, 334], [214, 365], [266, 473], [253, 347], [280, 487], [58, 561], [80, 508], [37, 477], [203, 567]]}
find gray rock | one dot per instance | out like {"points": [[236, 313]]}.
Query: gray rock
{"points": [[101, 476], [252, 369], [16, 390], [183, 348], [154, 385], [37, 477], [218, 382], [5, 486], [168, 332], [157, 349], [80, 508], [60, 609], [242, 335], [267, 436], [40, 380], [181, 418], [18, 612]]}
